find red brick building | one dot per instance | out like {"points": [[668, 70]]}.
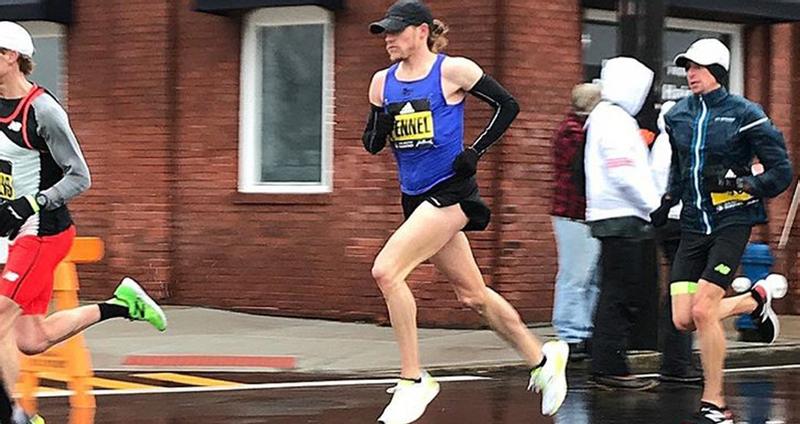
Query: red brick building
{"points": [[216, 186]]}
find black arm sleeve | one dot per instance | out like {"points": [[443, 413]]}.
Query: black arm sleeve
{"points": [[378, 128], [505, 110]]}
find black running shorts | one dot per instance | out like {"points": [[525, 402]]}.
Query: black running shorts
{"points": [[463, 192], [714, 257]]}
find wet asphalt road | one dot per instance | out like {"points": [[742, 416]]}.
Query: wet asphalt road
{"points": [[757, 397]]}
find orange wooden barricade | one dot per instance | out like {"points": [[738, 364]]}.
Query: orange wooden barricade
{"points": [[69, 361]]}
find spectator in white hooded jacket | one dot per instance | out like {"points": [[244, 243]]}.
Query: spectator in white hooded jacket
{"points": [[620, 194]]}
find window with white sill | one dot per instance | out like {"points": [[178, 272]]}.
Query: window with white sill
{"points": [[286, 113]]}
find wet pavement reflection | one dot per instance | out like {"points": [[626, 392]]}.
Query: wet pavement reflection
{"points": [[771, 396]]}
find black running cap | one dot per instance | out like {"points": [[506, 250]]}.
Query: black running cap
{"points": [[402, 14]]}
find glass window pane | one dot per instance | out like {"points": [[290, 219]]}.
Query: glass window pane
{"points": [[291, 91], [600, 42], [48, 72]]}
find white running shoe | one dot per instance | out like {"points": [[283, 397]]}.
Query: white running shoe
{"points": [[409, 400], [551, 379], [775, 287]]}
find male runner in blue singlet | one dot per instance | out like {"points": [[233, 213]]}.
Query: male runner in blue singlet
{"points": [[418, 107]]}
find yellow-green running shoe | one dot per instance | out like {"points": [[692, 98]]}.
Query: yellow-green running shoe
{"points": [[141, 307], [36, 419]]}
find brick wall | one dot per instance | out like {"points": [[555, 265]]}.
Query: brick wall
{"points": [[119, 105], [772, 80], [541, 61], [154, 98]]}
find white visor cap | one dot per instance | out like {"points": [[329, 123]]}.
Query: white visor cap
{"points": [[706, 52], [14, 37]]}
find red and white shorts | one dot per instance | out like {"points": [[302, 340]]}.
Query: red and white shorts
{"points": [[27, 278]]}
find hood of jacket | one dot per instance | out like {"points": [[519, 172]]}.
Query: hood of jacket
{"points": [[626, 82]]}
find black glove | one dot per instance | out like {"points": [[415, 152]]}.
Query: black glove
{"points": [[384, 123], [660, 216], [466, 163], [14, 213], [379, 127]]}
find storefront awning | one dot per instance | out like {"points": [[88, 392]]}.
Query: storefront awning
{"points": [[36, 10], [223, 7], [736, 11]]}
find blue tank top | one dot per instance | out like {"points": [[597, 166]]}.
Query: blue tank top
{"points": [[428, 133]]}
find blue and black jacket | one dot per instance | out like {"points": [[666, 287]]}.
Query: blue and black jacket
{"points": [[717, 135]]}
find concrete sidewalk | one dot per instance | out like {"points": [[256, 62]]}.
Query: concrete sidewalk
{"points": [[207, 339]]}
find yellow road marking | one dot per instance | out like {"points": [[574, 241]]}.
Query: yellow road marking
{"points": [[42, 389], [104, 383], [189, 380]]}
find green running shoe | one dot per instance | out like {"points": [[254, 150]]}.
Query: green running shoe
{"points": [[140, 306], [36, 419]]}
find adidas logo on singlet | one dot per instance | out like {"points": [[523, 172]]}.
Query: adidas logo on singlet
{"points": [[407, 109], [15, 126]]}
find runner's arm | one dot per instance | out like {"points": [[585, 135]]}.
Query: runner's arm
{"points": [[770, 148], [468, 76], [379, 123], [675, 181], [54, 127]]}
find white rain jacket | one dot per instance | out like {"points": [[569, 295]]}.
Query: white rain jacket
{"points": [[661, 159], [619, 182]]}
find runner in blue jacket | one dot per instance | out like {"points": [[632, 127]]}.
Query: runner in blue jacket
{"points": [[715, 137]]}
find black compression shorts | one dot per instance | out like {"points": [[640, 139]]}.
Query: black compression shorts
{"points": [[714, 257], [450, 192]]}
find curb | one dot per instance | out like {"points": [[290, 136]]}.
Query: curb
{"points": [[647, 362]]}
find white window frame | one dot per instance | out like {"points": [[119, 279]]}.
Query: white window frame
{"points": [[251, 102], [736, 77], [39, 29]]}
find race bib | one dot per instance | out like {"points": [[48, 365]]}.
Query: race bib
{"points": [[413, 124], [6, 181], [726, 200], [731, 199]]}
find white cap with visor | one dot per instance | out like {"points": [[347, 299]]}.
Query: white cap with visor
{"points": [[14, 37], [706, 52]]}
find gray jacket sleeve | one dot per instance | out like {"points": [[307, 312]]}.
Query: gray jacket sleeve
{"points": [[54, 128]]}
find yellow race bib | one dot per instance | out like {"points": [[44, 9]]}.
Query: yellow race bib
{"points": [[6, 181], [730, 199], [413, 124]]}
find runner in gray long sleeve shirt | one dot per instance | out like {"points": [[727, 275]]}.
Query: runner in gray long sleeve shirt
{"points": [[41, 170], [40, 161]]}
